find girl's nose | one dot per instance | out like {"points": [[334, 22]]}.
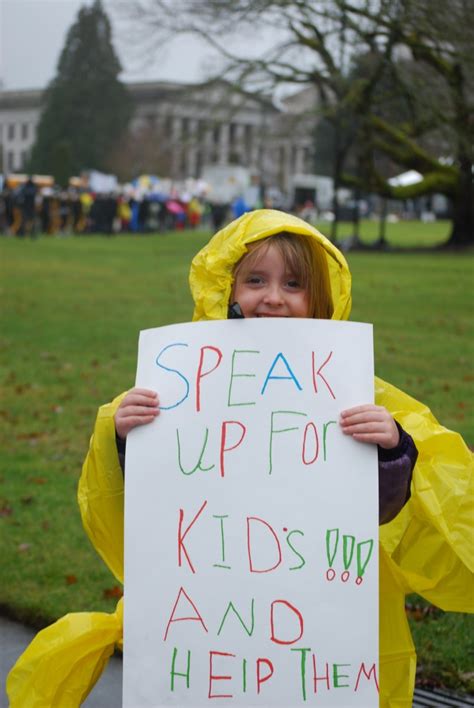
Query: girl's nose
{"points": [[273, 295]]}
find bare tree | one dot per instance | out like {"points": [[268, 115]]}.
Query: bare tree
{"points": [[420, 49]]}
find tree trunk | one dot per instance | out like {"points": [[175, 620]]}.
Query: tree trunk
{"points": [[462, 231]]}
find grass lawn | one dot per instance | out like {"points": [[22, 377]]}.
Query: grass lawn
{"points": [[71, 312]]}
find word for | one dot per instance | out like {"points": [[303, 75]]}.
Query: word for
{"points": [[363, 554], [312, 674], [210, 358], [232, 433]]}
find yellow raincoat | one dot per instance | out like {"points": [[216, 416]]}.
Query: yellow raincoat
{"points": [[426, 549]]}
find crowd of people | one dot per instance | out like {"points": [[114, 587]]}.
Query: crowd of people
{"points": [[29, 209]]}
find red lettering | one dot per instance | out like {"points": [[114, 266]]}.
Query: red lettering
{"points": [[200, 374], [318, 373], [317, 678], [316, 444], [181, 536], [252, 568], [272, 622], [372, 673], [196, 618], [224, 440], [261, 679], [214, 677]]}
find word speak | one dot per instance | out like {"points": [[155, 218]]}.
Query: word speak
{"points": [[210, 358]]}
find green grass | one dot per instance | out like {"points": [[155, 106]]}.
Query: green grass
{"points": [[406, 234], [71, 312]]}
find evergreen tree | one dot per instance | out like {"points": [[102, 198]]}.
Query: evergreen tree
{"points": [[86, 108]]}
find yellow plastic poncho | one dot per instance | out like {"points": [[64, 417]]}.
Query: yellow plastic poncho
{"points": [[426, 549]]}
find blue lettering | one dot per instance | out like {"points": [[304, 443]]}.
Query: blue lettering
{"points": [[174, 371]]}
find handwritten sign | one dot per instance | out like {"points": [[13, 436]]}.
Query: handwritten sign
{"points": [[251, 575]]}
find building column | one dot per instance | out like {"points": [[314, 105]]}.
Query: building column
{"points": [[192, 149], [254, 147], [176, 131], [299, 160], [223, 158], [208, 145], [239, 145]]}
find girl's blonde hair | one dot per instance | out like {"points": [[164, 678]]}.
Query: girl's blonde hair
{"points": [[306, 260]]}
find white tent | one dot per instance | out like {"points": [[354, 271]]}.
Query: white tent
{"points": [[406, 179]]}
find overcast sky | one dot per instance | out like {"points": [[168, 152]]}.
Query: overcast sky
{"points": [[32, 34]]}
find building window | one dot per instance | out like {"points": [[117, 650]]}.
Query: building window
{"points": [[11, 131], [10, 160], [24, 131]]}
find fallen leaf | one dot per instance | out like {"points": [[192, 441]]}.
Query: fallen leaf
{"points": [[71, 579], [27, 500], [23, 547], [6, 510], [38, 480], [111, 593], [45, 525], [21, 388], [33, 435]]}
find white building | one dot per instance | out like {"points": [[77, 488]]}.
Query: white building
{"points": [[19, 116], [195, 125]]}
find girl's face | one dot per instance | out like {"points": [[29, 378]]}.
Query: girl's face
{"points": [[266, 288]]}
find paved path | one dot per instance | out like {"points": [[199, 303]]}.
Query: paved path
{"points": [[14, 638]]}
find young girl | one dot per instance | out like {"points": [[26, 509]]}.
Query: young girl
{"points": [[287, 275], [271, 264]]}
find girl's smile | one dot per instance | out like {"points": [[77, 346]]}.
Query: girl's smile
{"points": [[268, 289]]}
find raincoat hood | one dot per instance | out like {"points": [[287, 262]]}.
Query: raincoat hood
{"points": [[211, 277]]}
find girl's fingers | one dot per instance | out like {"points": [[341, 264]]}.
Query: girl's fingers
{"points": [[133, 421], [143, 391], [139, 399], [370, 423], [375, 438], [138, 411], [361, 409], [366, 427], [364, 416]]}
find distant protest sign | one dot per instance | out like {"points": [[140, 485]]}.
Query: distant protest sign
{"points": [[251, 563]]}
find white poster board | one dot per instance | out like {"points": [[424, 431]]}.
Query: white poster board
{"points": [[251, 542]]}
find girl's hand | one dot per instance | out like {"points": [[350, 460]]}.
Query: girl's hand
{"points": [[139, 406], [372, 424]]}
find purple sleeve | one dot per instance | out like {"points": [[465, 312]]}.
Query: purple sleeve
{"points": [[121, 445], [395, 472]]}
